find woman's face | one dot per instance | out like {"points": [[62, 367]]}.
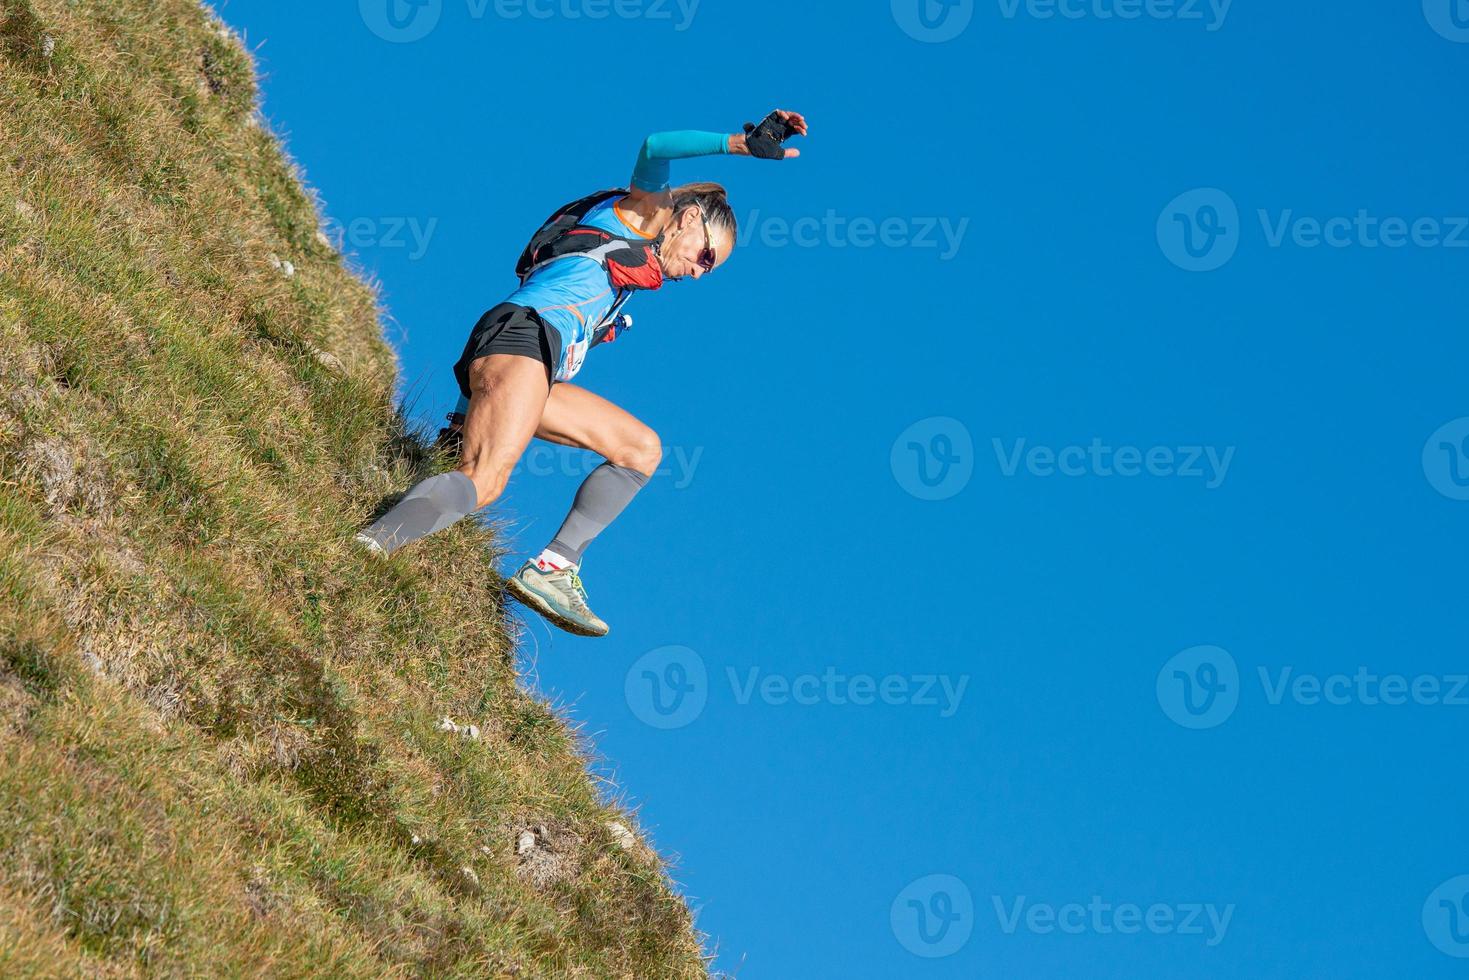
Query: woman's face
{"points": [[685, 242]]}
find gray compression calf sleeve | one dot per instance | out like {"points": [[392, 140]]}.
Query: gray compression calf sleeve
{"points": [[603, 495], [429, 508]]}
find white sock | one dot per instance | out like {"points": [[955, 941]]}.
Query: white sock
{"points": [[551, 561]]}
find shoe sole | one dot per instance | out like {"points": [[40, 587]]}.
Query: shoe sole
{"points": [[368, 545], [535, 603]]}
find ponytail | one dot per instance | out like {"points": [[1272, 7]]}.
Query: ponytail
{"points": [[710, 198]]}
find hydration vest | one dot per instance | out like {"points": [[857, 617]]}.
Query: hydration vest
{"points": [[630, 263]]}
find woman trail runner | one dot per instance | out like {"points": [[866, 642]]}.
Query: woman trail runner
{"points": [[515, 374]]}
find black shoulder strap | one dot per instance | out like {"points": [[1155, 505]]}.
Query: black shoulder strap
{"points": [[565, 218]]}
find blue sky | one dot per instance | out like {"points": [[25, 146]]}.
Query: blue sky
{"points": [[1059, 569]]}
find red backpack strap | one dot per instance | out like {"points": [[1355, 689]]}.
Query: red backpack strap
{"points": [[563, 220], [635, 267]]}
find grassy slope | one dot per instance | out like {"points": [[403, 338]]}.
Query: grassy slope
{"points": [[219, 751]]}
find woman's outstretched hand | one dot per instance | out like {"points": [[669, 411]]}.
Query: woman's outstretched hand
{"points": [[764, 141]]}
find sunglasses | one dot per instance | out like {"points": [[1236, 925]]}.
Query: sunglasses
{"points": [[706, 257]]}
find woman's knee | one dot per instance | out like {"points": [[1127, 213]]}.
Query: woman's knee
{"points": [[641, 451], [490, 475]]}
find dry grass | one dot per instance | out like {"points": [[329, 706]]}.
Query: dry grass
{"points": [[219, 749]]}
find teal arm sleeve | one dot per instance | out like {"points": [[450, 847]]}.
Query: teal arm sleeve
{"points": [[651, 173]]}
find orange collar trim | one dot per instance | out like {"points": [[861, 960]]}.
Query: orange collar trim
{"points": [[617, 210]]}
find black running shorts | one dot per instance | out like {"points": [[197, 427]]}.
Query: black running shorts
{"points": [[510, 329]]}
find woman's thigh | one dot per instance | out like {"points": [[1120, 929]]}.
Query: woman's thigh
{"points": [[506, 402], [576, 417]]}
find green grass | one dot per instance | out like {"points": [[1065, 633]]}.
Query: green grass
{"points": [[219, 741]]}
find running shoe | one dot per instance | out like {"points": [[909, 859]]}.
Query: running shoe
{"points": [[558, 596]]}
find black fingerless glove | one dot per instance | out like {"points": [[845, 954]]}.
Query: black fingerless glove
{"points": [[764, 141]]}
